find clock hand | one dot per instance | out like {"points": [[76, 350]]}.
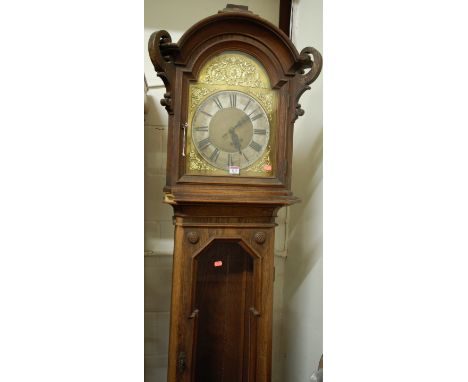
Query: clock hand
{"points": [[235, 140], [241, 121], [245, 118]]}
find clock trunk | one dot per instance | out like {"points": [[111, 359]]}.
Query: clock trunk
{"points": [[222, 293]]}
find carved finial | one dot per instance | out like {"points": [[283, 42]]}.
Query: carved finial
{"points": [[162, 52], [309, 58], [236, 8]]}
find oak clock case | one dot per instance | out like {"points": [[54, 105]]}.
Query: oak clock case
{"points": [[233, 82]]}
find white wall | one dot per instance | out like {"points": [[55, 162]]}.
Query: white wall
{"points": [[302, 298]]}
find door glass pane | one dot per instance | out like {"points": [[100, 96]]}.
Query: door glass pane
{"points": [[223, 297]]}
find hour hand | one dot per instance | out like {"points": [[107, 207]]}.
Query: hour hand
{"points": [[235, 140], [238, 124]]}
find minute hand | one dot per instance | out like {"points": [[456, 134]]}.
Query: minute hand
{"points": [[241, 121], [245, 118]]}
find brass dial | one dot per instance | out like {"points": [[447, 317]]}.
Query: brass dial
{"points": [[230, 129]]}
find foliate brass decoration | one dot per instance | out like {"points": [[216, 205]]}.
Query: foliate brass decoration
{"points": [[263, 165], [234, 69], [198, 94], [266, 99], [197, 164]]}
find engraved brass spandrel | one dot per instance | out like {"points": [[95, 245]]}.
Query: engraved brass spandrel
{"points": [[198, 94], [196, 163], [266, 100], [263, 165]]}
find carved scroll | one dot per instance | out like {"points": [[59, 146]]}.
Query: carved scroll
{"points": [[303, 80], [162, 52]]}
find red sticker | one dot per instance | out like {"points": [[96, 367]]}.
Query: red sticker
{"points": [[267, 167], [218, 263]]}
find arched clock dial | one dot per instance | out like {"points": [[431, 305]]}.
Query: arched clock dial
{"points": [[230, 128]]}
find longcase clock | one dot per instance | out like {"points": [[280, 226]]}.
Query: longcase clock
{"points": [[233, 82]]}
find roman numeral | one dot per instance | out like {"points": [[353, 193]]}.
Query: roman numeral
{"points": [[201, 128], [253, 111], [260, 131], [208, 114], [218, 103], [214, 155], [229, 159], [259, 115], [245, 156], [246, 106], [255, 146], [204, 143], [233, 99]]}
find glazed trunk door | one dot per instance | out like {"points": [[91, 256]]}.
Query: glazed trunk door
{"points": [[224, 337]]}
